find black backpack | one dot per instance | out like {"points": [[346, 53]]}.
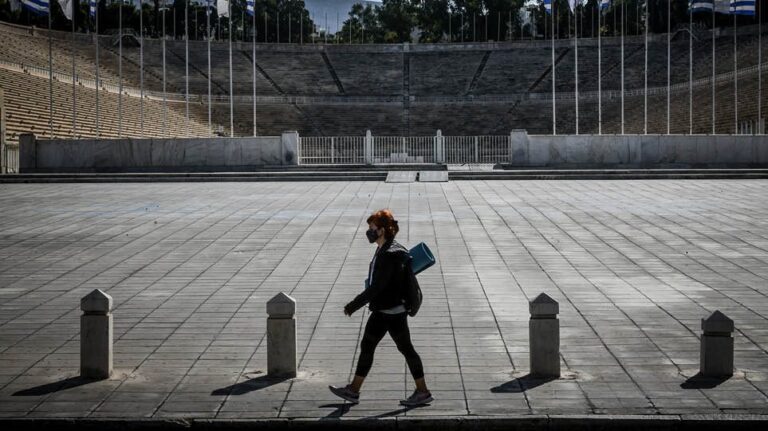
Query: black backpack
{"points": [[413, 296]]}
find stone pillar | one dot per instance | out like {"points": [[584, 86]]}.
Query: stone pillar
{"points": [[281, 336], [439, 148], [289, 150], [716, 359], [96, 336], [27, 153], [368, 148], [518, 148], [544, 336]]}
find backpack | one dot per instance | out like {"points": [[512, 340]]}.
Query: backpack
{"points": [[413, 296]]}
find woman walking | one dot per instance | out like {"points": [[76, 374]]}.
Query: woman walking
{"points": [[385, 296]]}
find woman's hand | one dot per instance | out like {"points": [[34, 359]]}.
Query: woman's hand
{"points": [[348, 310]]}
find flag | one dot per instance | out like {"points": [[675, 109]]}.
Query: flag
{"points": [[573, 3], [222, 6], [37, 7], [66, 7], [701, 6], [743, 7], [93, 6], [249, 7], [548, 6], [722, 6], [604, 5]]}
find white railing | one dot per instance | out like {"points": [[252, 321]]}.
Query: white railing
{"points": [[334, 150], [476, 149], [10, 159], [370, 149], [403, 149], [751, 127]]}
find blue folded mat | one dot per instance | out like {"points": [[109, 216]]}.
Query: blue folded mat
{"points": [[422, 257]]}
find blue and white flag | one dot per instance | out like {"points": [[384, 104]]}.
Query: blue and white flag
{"points": [[92, 7], [548, 6], [604, 5], [67, 7], [249, 7], [573, 3], [743, 7], [222, 7], [37, 7], [701, 6]]}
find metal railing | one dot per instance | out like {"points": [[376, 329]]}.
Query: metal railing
{"points": [[751, 127], [334, 150], [370, 149], [476, 149], [403, 149], [10, 159]]}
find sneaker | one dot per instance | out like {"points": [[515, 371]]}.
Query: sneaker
{"points": [[345, 393], [417, 399]]}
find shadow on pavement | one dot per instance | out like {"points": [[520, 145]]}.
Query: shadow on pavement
{"points": [[49, 388], [521, 384], [701, 382], [344, 407], [341, 409], [249, 385]]}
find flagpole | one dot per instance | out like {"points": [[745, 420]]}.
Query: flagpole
{"points": [[231, 100], [50, 73], [735, 78], [622, 67], [186, 63], [759, 12], [714, 131], [576, 62], [253, 59], [599, 74], [645, 91], [74, 76], [98, 84], [141, 68], [690, 69], [120, 70], [669, 56], [208, 36], [554, 112], [165, 99]]}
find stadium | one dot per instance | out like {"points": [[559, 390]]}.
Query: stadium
{"points": [[636, 83], [185, 188]]}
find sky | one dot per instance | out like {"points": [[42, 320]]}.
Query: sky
{"points": [[318, 9]]}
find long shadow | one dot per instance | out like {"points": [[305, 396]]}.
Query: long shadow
{"points": [[701, 382], [49, 388], [341, 409], [397, 412], [249, 385], [521, 384]]}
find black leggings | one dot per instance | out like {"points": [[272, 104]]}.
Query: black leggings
{"points": [[397, 326]]}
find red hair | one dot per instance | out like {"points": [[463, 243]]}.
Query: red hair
{"points": [[383, 219]]}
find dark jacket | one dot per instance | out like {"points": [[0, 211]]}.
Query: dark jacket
{"points": [[386, 290]]}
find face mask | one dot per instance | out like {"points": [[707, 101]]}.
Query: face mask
{"points": [[372, 235]]}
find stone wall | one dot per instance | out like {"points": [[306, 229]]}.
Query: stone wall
{"points": [[612, 151], [147, 155]]}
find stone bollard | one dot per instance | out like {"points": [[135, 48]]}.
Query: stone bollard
{"points": [[281, 336], [544, 336], [716, 359], [96, 336]]}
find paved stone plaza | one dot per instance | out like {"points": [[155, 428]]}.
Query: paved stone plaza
{"points": [[635, 265]]}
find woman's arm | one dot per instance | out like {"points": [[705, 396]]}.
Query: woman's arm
{"points": [[383, 273]]}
